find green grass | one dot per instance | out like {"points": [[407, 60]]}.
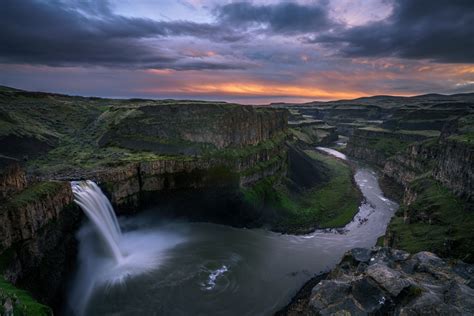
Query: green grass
{"points": [[388, 146], [301, 136], [466, 139], [27, 305], [333, 204], [238, 153], [264, 165], [375, 129], [391, 141], [439, 222], [34, 193], [24, 304], [73, 126], [87, 157], [426, 133]]}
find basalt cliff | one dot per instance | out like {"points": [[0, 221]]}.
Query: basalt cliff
{"points": [[141, 152], [242, 166], [423, 147]]}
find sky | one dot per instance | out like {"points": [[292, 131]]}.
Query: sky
{"points": [[252, 52]]}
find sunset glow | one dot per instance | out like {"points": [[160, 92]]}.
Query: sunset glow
{"points": [[246, 51]]}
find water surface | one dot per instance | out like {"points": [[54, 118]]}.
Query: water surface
{"points": [[209, 269]]}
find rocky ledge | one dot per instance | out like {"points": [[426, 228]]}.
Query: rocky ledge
{"points": [[385, 281]]}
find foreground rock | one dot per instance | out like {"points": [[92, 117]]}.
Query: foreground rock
{"points": [[389, 281]]}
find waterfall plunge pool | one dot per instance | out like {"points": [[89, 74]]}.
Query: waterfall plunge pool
{"points": [[182, 268]]}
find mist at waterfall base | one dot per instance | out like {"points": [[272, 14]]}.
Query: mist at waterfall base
{"points": [[108, 256], [183, 268]]}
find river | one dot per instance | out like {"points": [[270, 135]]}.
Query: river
{"points": [[209, 269]]}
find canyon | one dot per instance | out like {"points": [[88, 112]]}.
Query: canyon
{"points": [[237, 165]]}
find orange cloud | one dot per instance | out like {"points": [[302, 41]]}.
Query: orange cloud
{"points": [[160, 71], [259, 89]]}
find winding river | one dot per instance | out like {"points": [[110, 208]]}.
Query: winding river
{"points": [[209, 269]]}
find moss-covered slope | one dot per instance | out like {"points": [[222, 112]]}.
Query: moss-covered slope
{"points": [[331, 202]]}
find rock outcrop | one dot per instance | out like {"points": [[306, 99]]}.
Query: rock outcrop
{"points": [[454, 167], [37, 226], [446, 160], [29, 211], [376, 145], [385, 281], [127, 185], [12, 180], [137, 151], [190, 129]]}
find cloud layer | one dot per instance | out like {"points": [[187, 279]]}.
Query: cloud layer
{"points": [[86, 33], [441, 30], [233, 49]]}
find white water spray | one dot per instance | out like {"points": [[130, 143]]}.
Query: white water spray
{"points": [[98, 209], [140, 249]]}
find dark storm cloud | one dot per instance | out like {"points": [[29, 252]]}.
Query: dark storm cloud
{"points": [[207, 66], [441, 30], [88, 33], [283, 17]]}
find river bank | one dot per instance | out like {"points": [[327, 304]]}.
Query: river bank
{"points": [[220, 270]]}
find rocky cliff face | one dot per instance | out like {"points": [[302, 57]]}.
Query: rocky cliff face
{"points": [[198, 154], [12, 180], [446, 160], [209, 150], [37, 243], [454, 168], [406, 165], [375, 145], [436, 212], [385, 281], [25, 214], [127, 184], [191, 128]]}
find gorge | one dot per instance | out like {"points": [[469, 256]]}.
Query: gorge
{"points": [[232, 208], [231, 276]]}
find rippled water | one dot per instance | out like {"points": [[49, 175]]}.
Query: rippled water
{"points": [[209, 269]]}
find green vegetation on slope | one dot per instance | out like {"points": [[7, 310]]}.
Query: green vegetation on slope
{"points": [[22, 302], [332, 204], [34, 193], [58, 134], [388, 146], [232, 153], [437, 221], [465, 131]]}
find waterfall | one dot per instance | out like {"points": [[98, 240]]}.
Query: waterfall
{"points": [[98, 209]]}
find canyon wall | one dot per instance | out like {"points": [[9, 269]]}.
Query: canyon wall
{"points": [[37, 243], [375, 145], [12, 180], [26, 213], [191, 129], [447, 161], [175, 151], [454, 167]]}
